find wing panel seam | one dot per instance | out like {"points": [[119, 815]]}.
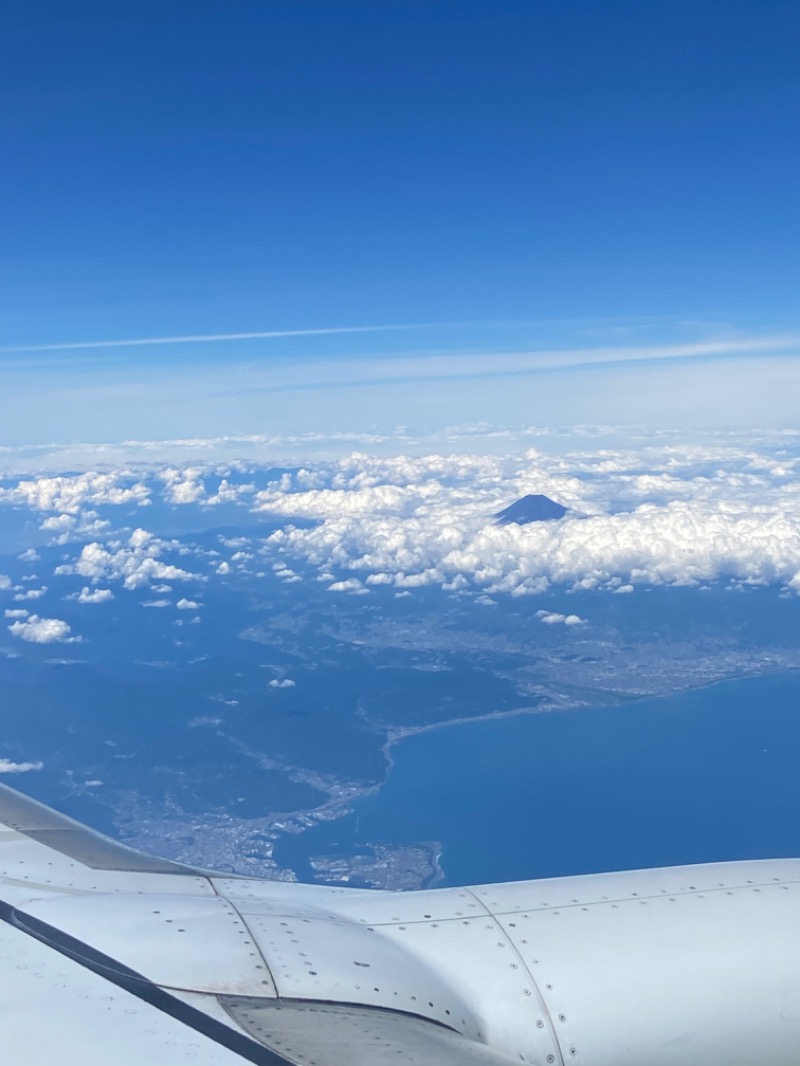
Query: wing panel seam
{"points": [[117, 973], [542, 1003]]}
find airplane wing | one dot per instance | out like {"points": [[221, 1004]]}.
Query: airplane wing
{"points": [[107, 954]]}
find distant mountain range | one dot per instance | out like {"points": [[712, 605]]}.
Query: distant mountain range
{"points": [[531, 509]]}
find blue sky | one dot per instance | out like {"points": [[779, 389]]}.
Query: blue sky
{"points": [[513, 176]]}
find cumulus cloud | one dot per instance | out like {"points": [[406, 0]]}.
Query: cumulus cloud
{"points": [[38, 630], [380, 579], [235, 542], [31, 594], [5, 581], [58, 523], [87, 595], [70, 494], [30, 555], [668, 514], [554, 618], [662, 512], [136, 563], [283, 683], [18, 612], [352, 584], [187, 605], [228, 493], [183, 486], [9, 767], [286, 574]]}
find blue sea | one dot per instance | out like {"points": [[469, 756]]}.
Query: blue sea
{"points": [[706, 775]]}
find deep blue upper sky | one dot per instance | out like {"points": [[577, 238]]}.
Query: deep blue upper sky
{"points": [[210, 167]]}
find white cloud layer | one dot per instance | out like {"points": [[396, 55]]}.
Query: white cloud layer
{"points": [[670, 514], [659, 510]]}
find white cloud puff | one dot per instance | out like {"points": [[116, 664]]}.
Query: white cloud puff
{"points": [[5, 581], [58, 523], [352, 584], [287, 576], [283, 683], [554, 618], [183, 486], [87, 595], [187, 605], [227, 493], [31, 594], [380, 579], [18, 612], [70, 494], [9, 767], [38, 630], [136, 563]]}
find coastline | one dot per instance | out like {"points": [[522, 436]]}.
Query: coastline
{"points": [[224, 842], [404, 733]]}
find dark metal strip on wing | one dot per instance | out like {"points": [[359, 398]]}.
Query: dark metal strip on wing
{"points": [[77, 841], [137, 985]]}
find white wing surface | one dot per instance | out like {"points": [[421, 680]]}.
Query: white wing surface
{"points": [[106, 953]]}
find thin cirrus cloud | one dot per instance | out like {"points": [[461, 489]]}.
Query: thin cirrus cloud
{"points": [[446, 364], [332, 385], [454, 361], [209, 338]]}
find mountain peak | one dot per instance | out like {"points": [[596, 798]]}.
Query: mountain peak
{"points": [[531, 508]]}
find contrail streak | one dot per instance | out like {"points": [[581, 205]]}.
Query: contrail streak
{"points": [[205, 338]]}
